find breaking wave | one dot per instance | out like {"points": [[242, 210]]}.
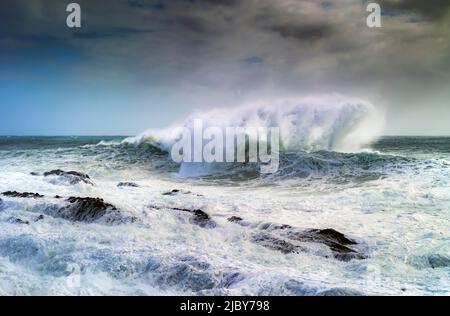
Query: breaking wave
{"points": [[333, 123]]}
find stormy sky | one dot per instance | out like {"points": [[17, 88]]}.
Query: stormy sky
{"points": [[141, 64]]}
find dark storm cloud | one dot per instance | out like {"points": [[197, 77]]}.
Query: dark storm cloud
{"points": [[236, 50], [429, 9], [156, 5], [302, 32], [197, 25]]}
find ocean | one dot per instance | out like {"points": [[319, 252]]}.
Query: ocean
{"points": [[393, 201]]}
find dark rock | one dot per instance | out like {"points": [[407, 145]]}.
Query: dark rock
{"points": [[230, 278], [127, 184], [272, 226], [330, 234], [19, 221], [336, 241], [199, 218], [73, 177], [235, 219], [57, 197], [22, 195], [275, 243], [202, 219], [86, 209], [340, 292], [347, 255], [439, 261], [39, 218], [285, 238], [34, 173], [173, 192], [177, 191], [192, 275]]}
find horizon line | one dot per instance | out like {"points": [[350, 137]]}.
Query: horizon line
{"points": [[105, 135]]}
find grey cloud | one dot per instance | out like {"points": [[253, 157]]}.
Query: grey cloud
{"points": [[211, 52], [303, 32], [111, 32], [429, 9]]}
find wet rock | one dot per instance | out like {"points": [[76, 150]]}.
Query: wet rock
{"points": [[274, 243], [57, 197], [192, 275], [340, 292], [22, 194], [86, 209], [336, 241], [73, 177], [235, 219], [202, 219], [438, 261], [199, 218], [39, 218], [34, 173], [18, 221], [173, 192], [331, 235], [272, 226], [289, 239], [230, 278], [127, 184], [177, 191]]}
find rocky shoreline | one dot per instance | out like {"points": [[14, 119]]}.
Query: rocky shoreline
{"points": [[283, 238]]}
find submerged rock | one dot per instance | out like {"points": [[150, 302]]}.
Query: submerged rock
{"points": [[22, 194], [188, 273], [15, 220], [274, 243], [340, 292], [177, 191], [199, 218], [127, 184], [39, 218], [73, 177], [230, 278], [438, 261], [173, 192], [235, 219], [202, 219]]}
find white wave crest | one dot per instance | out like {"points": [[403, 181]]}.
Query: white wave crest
{"points": [[306, 124]]}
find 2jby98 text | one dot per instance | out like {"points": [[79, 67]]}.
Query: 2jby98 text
{"points": [[227, 306]]}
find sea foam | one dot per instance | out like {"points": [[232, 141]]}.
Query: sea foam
{"points": [[333, 122]]}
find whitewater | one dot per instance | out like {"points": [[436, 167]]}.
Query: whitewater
{"points": [[227, 229]]}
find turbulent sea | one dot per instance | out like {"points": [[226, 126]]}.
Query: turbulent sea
{"points": [[393, 200]]}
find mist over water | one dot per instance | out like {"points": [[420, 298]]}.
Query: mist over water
{"points": [[329, 122]]}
